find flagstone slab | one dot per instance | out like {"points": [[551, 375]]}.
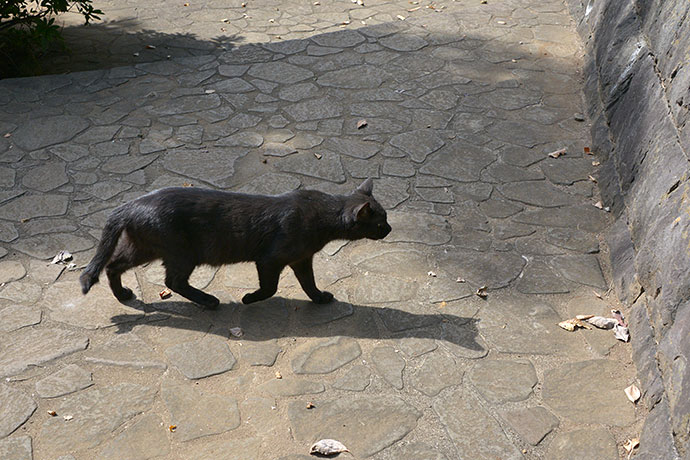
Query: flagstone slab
{"points": [[357, 378], [37, 133], [531, 424], [366, 425], [18, 316], [67, 380], [197, 413], [583, 445], [291, 387], [15, 408], [96, 414], [501, 381], [143, 440], [125, 350], [203, 358], [325, 356], [389, 365], [31, 206], [437, 372], [38, 346]]}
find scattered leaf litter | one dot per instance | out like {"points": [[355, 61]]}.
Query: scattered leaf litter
{"points": [[165, 294], [557, 153], [633, 393], [62, 257]]}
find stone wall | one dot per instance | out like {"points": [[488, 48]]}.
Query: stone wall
{"points": [[638, 94]]}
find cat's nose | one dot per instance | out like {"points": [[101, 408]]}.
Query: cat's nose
{"points": [[387, 229]]}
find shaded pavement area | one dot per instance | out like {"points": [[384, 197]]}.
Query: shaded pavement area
{"points": [[463, 101]]}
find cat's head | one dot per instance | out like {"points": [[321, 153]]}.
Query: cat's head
{"points": [[367, 216]]}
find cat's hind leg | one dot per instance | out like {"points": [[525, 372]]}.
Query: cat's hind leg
{"points": [[305, 275], [268, 282], [126, 256], [177, 275]]}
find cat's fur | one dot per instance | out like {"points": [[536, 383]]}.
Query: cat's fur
{"points": [[186, 227]]}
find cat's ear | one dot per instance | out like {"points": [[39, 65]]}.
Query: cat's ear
{"points": [[366, 187], [362, 212]]}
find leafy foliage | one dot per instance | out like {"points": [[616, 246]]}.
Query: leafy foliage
{"points": [[28, 31]]}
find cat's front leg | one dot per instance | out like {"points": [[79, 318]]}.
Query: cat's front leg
{"points": [[305, 275]]}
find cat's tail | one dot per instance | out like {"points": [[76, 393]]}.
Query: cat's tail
{"points": [[111, 235]]}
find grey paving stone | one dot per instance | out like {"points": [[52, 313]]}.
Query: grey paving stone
{"points": [[18, 316], [418, 228], [356, 77], [503, 172], [31, 206], [36, 347], [361, 169], [328, 167], [243, 121], [25, 292], [468, 425], [583, 445], [15, 408], [7, 177], [271, 184], [232, 70], [260, 353], [275, 149], [536, 193], [566, 171], [46, 246], [459, 161], [523, 324], [241, 139], [357, 378], [417, 451], [463, 341], [413, 347], [389, 365], [267, 319], [95, 415], [313, 314], [16, 448], [197, 413], [126, 350], [377, 289], [215, 166], [501, 381], [187, 104], [291, 387], [97, 310], [351, 422], [315, 50], [107, 189], [11, 270], [572, 239], [232, 85], [314, 109], [398, 167], [391, 191], [586, 218], [403, 42], [595, 383], [37, 133], [111, 148], [202, 358], [325, 356], [127, 164], [353, 147], [418, 144], [339, 39], [298, 92], [583, 269], [539, 278], [499, 208], [438, 372], [67, 380], [280, 72], [143, 440], [531, 424], [46, 177], [492, 269]]}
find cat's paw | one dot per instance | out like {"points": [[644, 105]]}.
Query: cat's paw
{"points": [[211, 303], [324, 297], [124, 295], [249, 298]]}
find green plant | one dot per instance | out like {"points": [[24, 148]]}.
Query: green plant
{"points": [[28, 31]]}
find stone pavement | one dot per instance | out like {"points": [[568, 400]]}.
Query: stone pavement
{"points": [[463, 102]]}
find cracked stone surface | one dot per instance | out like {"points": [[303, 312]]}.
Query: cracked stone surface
{"points": [[17, 407], [452, 111]]}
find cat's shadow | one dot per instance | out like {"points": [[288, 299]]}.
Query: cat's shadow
{"points": [[279, 317]]}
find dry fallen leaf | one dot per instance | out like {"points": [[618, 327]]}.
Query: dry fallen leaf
{"points": [[501, 23], [597, 295], [150, 47], [481, 292], [622, 333], [67, 417], [413, 9], [599, 205], [630, 445], [583, 317], [236, 331], [443, 304], [279, 375], [592, 178], [557, 153], [402, 18], [310, 405], [62, 257], [172, 428], [165, 293], [431, 274], [619, 317], [52, 413], [361, 124], [187, 184], [460, 280], [7, 135], [327, 447], [573, 323], [318, 156], [595, 163], [588, 151], [601, 322], [633, 393]]}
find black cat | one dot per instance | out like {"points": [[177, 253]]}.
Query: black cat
{"points": [[189, 226]]}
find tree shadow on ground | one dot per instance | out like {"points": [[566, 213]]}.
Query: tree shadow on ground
{"points": [[279, 317]]}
